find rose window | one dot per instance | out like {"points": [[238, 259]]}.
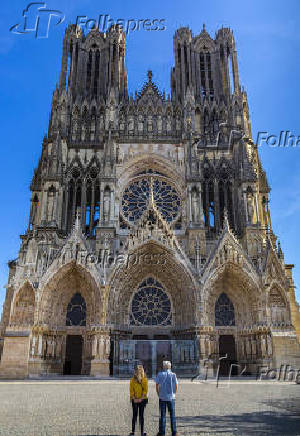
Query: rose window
{"points": [[136, 198], [150, 305]]}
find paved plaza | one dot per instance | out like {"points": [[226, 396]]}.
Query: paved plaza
{"points": [[101, 407]]}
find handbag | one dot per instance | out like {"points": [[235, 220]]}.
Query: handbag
{"points": [[145, 401]]}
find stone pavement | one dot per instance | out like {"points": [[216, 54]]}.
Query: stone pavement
{"points": [[97, 408]]}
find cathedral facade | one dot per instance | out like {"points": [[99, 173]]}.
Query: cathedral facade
{"points": [[149, 232]]}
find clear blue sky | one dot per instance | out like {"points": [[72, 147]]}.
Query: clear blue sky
{"points": [[268, 43]]}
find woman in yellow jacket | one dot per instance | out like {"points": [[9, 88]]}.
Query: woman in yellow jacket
{"points": [[138, 397]]}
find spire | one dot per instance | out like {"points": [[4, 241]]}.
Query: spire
{"points": [[149, 74]]}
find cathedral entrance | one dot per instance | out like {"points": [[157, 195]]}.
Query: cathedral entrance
{"points": [[227, 351], [143, 355], [163, 352], [183, 354], [73, 360]]}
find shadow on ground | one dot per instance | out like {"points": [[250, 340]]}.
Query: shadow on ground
{"points": [[245, 424]]}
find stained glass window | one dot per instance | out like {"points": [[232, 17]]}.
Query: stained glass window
{"points": [[150, 305], [224, 311], [136, 198], [76, 311]]}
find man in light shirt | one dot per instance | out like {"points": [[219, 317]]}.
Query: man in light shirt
{"points": [[166, 388]]}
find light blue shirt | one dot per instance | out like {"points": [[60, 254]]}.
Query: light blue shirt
{"points": [[167, 382]]}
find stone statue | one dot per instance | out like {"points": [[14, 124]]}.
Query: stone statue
{"points": [[101, 122], [106, 206], [150, 123], [111, 113], [101, 347], [122, 122], [195, 206], [250, 208], [83, 132], [94, 346], [130, 125], [50, 207], [159, 123], [140, 124], [107, 347], [169, 123]]}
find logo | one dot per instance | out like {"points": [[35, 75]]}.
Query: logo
{"points": [[284, 139], [104, 22], [37, 19]]}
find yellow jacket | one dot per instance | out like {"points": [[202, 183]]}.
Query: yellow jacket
{"points": [[138, 390]]}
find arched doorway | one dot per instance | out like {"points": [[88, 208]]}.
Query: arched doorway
{"points": [[225, 317], [70, 304], [76, 316], [227, 355], [152, 308], [232, 299], [73, 357]]}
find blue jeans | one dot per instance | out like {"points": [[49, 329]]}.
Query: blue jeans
{"points": [[163, 405]]}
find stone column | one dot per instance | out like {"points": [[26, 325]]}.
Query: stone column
{"points": [[73, 67], [65, 217], [92, 211], [83, 204], [33, 346], [94, 346], [44, 205], [112, 206], [92, 72], [256, 207], [101, 211], [200, 204], [216, 206], [40, 345], [182, 68], [190, 204], [245, 205]]}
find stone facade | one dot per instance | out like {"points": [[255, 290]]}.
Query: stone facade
{"points": [[150, 231]]}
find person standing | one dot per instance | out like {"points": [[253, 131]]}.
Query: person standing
{"points": [[138, 389], [166, 388]]}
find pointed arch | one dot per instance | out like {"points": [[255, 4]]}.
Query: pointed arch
{"points": [[152, 259], [59, 289], [278, 306], [240, 289], [23, 307]]}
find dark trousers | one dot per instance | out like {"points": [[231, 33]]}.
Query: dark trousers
{"points": [[138, 409], [163, 405]]}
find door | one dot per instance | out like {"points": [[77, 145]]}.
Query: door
{"points": [[227, 350], [163, 352], [73, 360], [143, 355]]}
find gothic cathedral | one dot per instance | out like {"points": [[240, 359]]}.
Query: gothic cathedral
{"points": [[149, 232]]}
